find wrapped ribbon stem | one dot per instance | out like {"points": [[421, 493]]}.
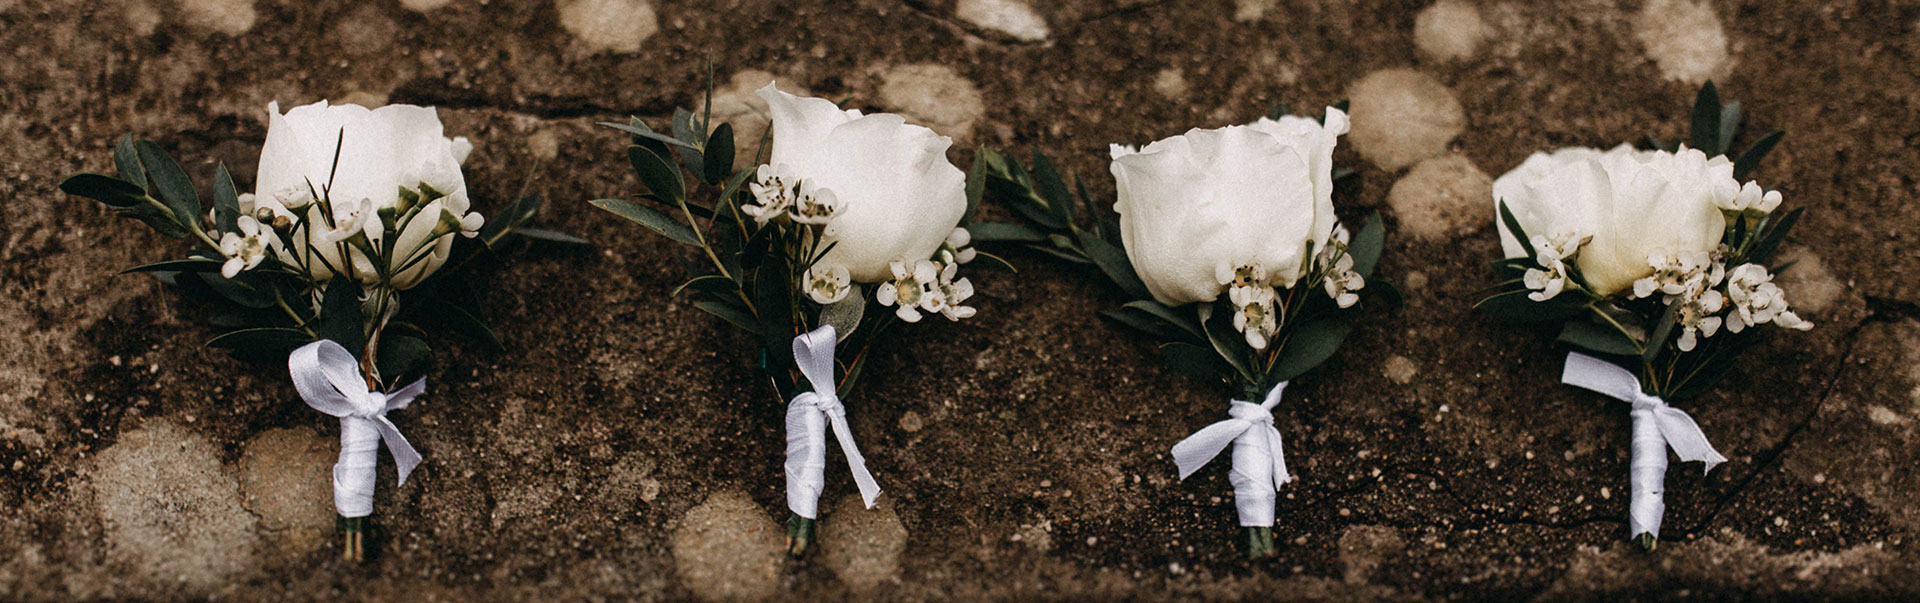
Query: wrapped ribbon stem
{"points": [[329, 380], [809, 416], [1259, 465], [1656, 427]]}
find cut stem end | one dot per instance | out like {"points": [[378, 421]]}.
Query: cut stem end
{"points": [[799, 536], [1646, 541], [353, 533], [1259, 542]]}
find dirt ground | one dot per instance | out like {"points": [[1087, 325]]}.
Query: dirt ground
{"points": [[624, 448]]}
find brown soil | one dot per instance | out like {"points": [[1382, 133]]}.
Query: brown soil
{"points": [[1034, 461]]}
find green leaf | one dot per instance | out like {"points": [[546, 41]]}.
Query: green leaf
{"points": [[1516, 306], [402, 357], [105, 189], [1166, 314], [1050, 186], [157, 219], [657, 174], [1366, 244], [1307, 346], [549, 235], [990, 261], [639, 129], [1662, 329], [1750, 158], [684, 129], [1227, 341], [1513, 226], [1193, 360], [1147, 324], [261, 341], [126, 160], [1113, 261], [989, 232], [1597, 338], [186, 265], [739, 318], [469, 324], [711, 283], [1729, 125], [176, 190], [649, 218], [340, 317], [226, 201], [1706, 121], [1775, 234], [719, 157]]}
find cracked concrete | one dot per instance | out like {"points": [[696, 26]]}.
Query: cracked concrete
{"points": [[564, 468]]}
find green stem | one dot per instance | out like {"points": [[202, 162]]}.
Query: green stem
{"points": [[1259, 542], [800, 534], [1637, 345]]}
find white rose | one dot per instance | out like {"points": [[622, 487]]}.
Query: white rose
{"points": [[895, 196], [1200, 205], [379, 152], [1634, 205]]}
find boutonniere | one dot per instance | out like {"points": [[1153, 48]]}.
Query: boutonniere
{"points": [[1242, 275], [1656, 265], [329, 265], [851, 227]]}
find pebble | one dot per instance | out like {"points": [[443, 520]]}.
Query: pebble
{"points": [[1449, 31], [1401, 116], [1442, 198], [934, 96], [1012, 17], [1684, 38], [727, 549], [229, 17], [617, 26]]}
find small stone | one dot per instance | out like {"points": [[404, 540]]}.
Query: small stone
{"points": [[287, 475], [1401, 369], [1170, 83], [1012, 17], [934, 96], [910, 422], [727, 550], [862, 545], [1684, 38], [1885, 416], [421, 6], [1449, 31], [171, 511], [363, 98], [1442, 198], [1401, 116], [1251, 10], [230, 17], [544, 145], [142, 18], [617, 26], [1811, 289]]}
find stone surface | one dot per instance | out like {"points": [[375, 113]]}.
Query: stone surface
{"points": [[862, 546], [609, 25], [1449, 30], [1252, 10], [1811, 288], [735, 103], [1171, 83], [1401, 116], [1442, 198], [229, 17], [421, 6], [934, 96], [727, 549], [171, 510], [1684, 38], [287, 476], [1014, 18]]}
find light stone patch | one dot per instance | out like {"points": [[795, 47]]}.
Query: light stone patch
{"points": [[1401, 116], [617, 26], [230, 17], [141, 17], [735, 103], [1684, 38], [1251, 10], [1811, 288], [287, 475], [421, 6], [1400, 369], [1449, 31], [727, 549], [171, 510], [1012, 17], [1363, 548], [933, 96], [1171, 83], [862, 545], [1442, 198]]}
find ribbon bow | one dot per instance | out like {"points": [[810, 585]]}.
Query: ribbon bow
{"points": [[807, 418], [1656, 427], [328, 378], [1259, 463]]}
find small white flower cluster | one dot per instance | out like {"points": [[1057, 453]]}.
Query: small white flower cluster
{"points": [[1256, 302], [781, 194], [1553, 255], [1749, 198], [1694, 281], [926, 285], [248, 247]]}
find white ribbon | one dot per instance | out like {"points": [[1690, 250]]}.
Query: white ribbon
{"points": [[1656, 426], [328, 378], [1259, 464], [807, 419]]}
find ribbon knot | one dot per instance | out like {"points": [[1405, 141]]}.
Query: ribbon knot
{"points": [[1259, 462], [328, 379], [808, 417]]}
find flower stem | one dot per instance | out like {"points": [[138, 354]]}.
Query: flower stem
{"points": [[799, 536], [1259, 542], [353, 531], [1646, 541]]}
